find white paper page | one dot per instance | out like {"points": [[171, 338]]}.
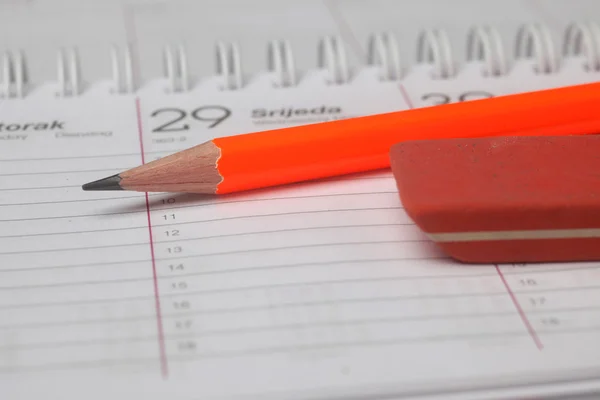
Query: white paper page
{"points": [[309, 291]]}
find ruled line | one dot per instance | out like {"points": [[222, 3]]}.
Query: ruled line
{"points": [[64, 172], [251, 309], [264, 351], [236, 217], [81, 157], [182, 223], [522, 314], [205, 205], [73, 216], [159, 323], [256, 329], [55, 233], [38, 188], [240, 331], [254, 352], [255, 250], [35, 203], [263, 268], [282, 306], [252, 269], [188, 239], [96, 247], [131, 262], [209, 292]]}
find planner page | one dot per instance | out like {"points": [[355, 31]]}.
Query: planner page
{"points": [[314, 290]]}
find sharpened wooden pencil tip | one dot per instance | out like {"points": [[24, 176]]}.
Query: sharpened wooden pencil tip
{"points": [[109, 183], [193, 170]]}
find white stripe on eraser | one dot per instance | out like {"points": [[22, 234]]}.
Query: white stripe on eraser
{"points": [[512, 235]]}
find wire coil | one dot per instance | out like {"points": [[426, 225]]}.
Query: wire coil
{"points": [[433, 47], [332, 57], [68, 71], [484, 44], [123, 81], [533, 43], [176, 69], [280, 61], [229, 65], [14, 77], [583, 38], [383, 52]]}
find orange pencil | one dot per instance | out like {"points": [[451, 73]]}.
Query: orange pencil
{"points": [[302, 153]]}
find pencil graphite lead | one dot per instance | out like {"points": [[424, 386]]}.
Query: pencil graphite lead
{"points": [[109, 183]]}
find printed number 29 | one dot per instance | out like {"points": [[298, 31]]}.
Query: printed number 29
{"points": [[213, 114]]}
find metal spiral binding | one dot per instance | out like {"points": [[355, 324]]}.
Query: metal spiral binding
{"points": [[14, 75], [382, 51], [280, 60], [433, 46], [535, 41], [484, 44], [229, 65], [332, 57], [583, 38], [68, 71], [123, 81]]}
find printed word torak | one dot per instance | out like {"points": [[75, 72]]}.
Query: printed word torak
{"points": [[294, 112], [31, 126]]}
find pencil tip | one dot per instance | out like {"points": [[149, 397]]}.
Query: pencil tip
{"points": [[109, 183]]}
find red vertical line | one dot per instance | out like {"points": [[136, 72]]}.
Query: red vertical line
{"points": [[517, 305], [405, 96], [159, 322]]}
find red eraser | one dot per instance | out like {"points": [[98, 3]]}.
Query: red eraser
{"points": [[504, 199]]}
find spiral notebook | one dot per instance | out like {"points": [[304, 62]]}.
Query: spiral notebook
{"points": [[318, 290]]}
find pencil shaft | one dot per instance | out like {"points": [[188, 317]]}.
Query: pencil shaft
{"points": [[302, 153], [280, 156]]}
